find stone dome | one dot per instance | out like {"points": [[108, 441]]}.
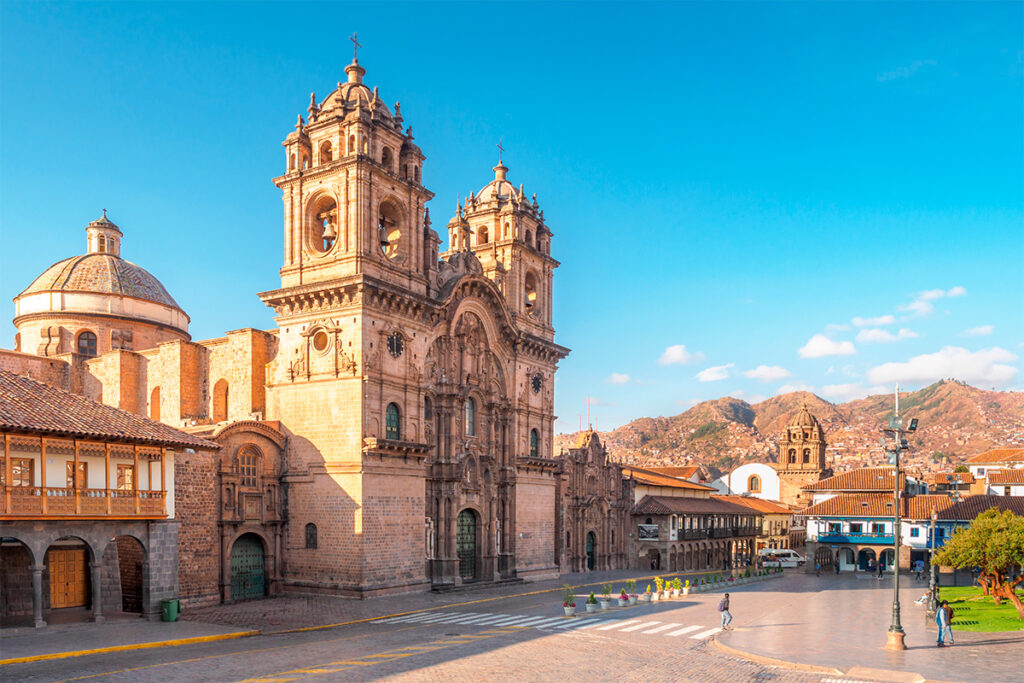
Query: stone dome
{"points": [[354, 93], [101, 274], [804, 418]]}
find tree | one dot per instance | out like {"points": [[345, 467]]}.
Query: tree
{"points": [[961, 468], [994, 543]]}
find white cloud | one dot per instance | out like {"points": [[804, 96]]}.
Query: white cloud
{"points": [[980, 331], [768, 373], [795, 386], [846, 392], [617, 378], [678, 355], [749, 398], [598, 401], [922, 303], [906, 71], [987, 366], [833, 327], [871, 322], [819, 345], [715, 373], [874, 334]]}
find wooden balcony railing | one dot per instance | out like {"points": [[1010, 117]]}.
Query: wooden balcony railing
{"points": [[29, 502]]}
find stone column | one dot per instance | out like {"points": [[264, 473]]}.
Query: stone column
{"points": [[37, 595], [97, 593]]}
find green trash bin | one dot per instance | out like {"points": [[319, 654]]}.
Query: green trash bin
{"points": [[170, 609]]}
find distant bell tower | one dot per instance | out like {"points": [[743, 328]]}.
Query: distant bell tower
{"points": [[507, 233], [801, 458], [354, 202]]}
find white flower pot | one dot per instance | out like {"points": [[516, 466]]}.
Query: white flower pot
{"points": [[645, 597], [632, 599], [623, 603], [655, 596], [570, 611], [686, 590], [675, 592], [591, 606], [605, 604]]}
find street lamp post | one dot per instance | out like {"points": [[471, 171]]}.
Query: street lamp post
{"points": [[896, 634], [933, 599]]}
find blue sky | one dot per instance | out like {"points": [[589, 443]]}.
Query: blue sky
{"points": [[746, 198]]}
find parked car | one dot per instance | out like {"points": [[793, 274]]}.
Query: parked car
{"points": [[780, 557]]}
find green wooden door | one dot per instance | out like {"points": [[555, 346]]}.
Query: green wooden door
{"points": [[465, 537], [591, 542], [247, 568]]}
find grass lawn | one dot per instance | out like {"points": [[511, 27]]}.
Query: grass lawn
{"points": [[973, 611]]}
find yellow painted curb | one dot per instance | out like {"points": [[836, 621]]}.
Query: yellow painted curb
{"points": [[135, 646], [771, 661]]}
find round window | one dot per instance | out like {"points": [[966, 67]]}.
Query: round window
{"points": [[320, 341]]}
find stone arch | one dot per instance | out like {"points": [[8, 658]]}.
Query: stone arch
{"points": [[219, 413], [132, 555], [68, 579], [16, 578], [391, 232], [326, 152], [154, 404], [469, 542], [321, 224], [248, 560], [532, 299]]}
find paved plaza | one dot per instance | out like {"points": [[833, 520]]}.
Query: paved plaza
{"points": [[795, 628]]}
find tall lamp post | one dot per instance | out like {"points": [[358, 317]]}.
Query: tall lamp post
{"points": [[933, 591], [894, 641]]}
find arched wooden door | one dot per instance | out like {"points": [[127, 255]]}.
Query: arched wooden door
{"points": [[591, 552], [248, 573], [465, 539]]}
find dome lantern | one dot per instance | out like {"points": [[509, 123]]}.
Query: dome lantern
{"points": [[103, 237]]}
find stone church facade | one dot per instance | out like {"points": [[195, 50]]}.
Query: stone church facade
{"points": [[394, 431]]}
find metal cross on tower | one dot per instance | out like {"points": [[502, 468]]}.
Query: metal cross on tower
{"points": [[355, 46], [501, 150]]}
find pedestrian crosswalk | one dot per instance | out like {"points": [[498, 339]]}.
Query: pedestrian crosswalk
{"points": [[646, 627]]}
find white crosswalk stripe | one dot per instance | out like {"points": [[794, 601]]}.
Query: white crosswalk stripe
{"points": [[685, 629], [642, 624], [618, 624], [548, 623], [663, 627], [704, 634], [488, 619], [468, 619]]}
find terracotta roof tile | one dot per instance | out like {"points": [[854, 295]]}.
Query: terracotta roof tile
{"points": [[771, 507], [914, 507], [865, 479], [998, 455], [28, 406], [651, 478], [670, 505], [685, 471], [1006, 476], [941, 477]]}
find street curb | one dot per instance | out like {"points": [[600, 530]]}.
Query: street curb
{"points": [[771, 661], [135, 646]]}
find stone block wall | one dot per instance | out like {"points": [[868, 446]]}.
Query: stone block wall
{"points": [[393, 524], [535, 525], [196, 506], [15, 580]]}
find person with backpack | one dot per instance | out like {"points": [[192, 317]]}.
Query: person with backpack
{"points": [[723, 607], [944, 621]]}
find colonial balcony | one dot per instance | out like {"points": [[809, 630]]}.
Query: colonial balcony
{"points": [[692, 534], [37, 502], [865, 538], [744, 531]]}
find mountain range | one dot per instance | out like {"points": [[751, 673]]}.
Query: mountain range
{"points": [[956, 421]]}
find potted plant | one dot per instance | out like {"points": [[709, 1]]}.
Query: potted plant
{"points": [[606, 596], [631, 589], [686, 587], [646, 597], [591, 603], [568, 600], [676, 587], [623, 599]]}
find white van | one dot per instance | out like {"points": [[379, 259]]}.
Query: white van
{"points": [[780, 557]]}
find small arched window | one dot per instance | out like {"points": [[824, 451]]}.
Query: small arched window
{"points": [[792, 456], [807, 455], [87, 344], [311, 539], [428, 408], [417, 171], [534, 443], [102, 244], [292, 160], [220, 401], [351, 144], [482, 235], [326, 153], [386, 158], [392, 422], [508, 231], [154, 404], [470, 417], [754, 484], [529, 238], [648, 521]]}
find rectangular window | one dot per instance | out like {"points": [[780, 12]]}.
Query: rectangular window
{"points": [[126, 477], [22, 471], [981, 471], [878, 528], [914, 532], [940, 532], [835, 527], [79, 482], [856, 527]]}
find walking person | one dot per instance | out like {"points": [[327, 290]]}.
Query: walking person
{"points": [[944, 621], [817, 568], [723, 607]]}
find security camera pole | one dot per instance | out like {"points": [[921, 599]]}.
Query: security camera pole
{"points": [[896, 633]]}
